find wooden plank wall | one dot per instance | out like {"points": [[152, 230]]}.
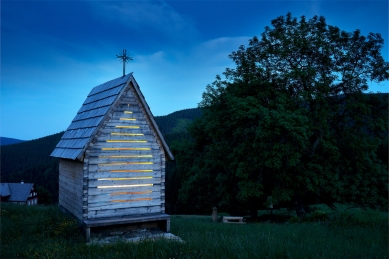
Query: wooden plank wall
{"points": [[126, 165], [71, 186]]}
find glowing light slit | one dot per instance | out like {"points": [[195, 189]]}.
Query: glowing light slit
{"points": [[131, 156], [133, 200], [127, 127], [123, 186], [124, 179], [123, 193], [127, 112], [125, 148], [127, 119], [126, 171], [127, 163]]}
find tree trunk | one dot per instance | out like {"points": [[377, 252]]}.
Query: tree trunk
{"points": [[253, 213], [299, 206]]}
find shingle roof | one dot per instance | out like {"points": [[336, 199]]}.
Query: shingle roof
{"points": [[18, 191], [4, 190], [83, 127]]}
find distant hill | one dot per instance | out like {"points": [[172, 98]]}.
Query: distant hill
{"points": [[30, 160], [174, 126], [9, 141]]}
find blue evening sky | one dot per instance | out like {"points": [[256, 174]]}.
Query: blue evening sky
{"points": [[54, 52]]}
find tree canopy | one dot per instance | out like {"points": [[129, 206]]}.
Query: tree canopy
{"points": [[291, 121]]}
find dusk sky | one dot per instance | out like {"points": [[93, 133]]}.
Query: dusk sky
{"points": [[54, 52]]}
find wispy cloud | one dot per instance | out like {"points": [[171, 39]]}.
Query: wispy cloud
{"points": [[147, 15]]}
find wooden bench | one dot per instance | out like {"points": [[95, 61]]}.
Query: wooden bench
{"points": [[237, 220]]}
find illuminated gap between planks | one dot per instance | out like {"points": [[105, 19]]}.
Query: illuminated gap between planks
{"points": [[126, 134], [126, 171], [123, 186], [131, 156], [125, 148], [127, 127], [124, 179], [127, 119], [128, 112], [127, 163], [133, 200], [127, 141], [123, 193]]}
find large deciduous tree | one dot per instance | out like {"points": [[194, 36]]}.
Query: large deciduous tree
{"points": [[291, 121]]}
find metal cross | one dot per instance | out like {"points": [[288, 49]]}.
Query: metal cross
{"points": [[123, 56]]}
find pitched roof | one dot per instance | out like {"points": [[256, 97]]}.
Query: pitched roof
{"points": [[91, 114], [4, 190], [18, 191]]}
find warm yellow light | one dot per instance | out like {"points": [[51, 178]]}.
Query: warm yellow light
{"points": [[123, 193], [132, 156], [127, 163], [127, 119], [124, 186], [128, 112], [127, 127], [133, 200], [127, 171], [126, 134], [127, 141], [124, 179], [125, 148]]}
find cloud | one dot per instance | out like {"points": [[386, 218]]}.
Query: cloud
{"points": [[147, 15]]}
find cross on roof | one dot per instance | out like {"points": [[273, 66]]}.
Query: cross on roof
{"points": [[123, 56]]}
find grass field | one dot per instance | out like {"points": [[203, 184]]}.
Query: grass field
{"points": [[44, 232]]}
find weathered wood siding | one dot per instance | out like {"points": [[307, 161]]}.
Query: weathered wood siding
{"points": [[125, 164], [71, 186]]}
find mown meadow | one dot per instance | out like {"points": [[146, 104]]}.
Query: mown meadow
{"points": [[45, 232]]}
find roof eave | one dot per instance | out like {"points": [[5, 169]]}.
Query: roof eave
{"points": [[150, 115]]}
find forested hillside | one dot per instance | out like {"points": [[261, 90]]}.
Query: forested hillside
{"points": [[9, 141], [30, 161], [174, 126]]}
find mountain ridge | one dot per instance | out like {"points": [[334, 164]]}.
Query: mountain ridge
{"points": [[10, 141]]}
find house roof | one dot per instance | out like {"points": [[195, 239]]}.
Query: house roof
{"points": [[92, 113], [4, 190], [18, 191]]}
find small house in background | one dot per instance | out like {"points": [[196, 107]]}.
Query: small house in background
{"points": [[112, 161], [21, 193]]}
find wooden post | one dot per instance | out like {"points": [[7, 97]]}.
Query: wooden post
{"points": [[270, 207], [214, 214], [87, 234]]}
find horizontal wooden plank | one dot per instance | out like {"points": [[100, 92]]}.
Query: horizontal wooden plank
{"points": [[117, 116], [116, 167], [97, 175], [98, 152], [117, 147], [117, 191], [137, 121], [105, 198], [124, 130], [129, 183], [126, 220], [123, 212], [126, 138], [124, 158], [134, 143], [121, 205]]}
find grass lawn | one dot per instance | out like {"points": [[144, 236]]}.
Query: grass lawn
{"points": [[44, 232]]}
